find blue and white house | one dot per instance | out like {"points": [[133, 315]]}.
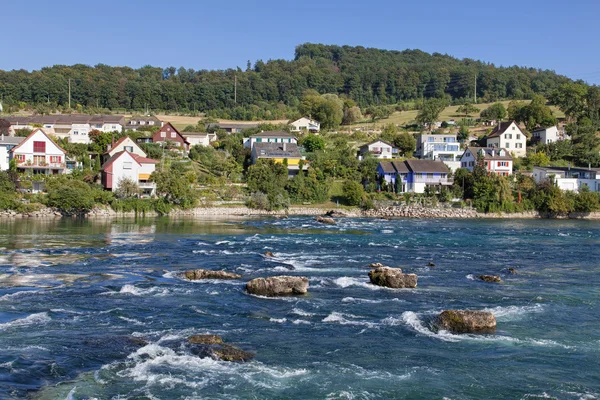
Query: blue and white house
{"points": [[445, 147], [413, 176]]}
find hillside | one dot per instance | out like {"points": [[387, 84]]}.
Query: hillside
{"points": [[273, 89]]}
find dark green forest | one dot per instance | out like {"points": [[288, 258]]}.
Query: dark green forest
{"points": [[271, 89]]}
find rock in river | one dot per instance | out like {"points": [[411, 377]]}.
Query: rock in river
{"points": [[392, 278], [205, 339], [376, 265], [212, 346], [467, 321], [197, 274], [325, 220], [490, 278], [278, 286], [269, 254]]}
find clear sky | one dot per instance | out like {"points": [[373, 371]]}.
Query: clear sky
{"points": [[548, 34]]}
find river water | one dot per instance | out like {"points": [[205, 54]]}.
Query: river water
{"points": [[95, 309]]}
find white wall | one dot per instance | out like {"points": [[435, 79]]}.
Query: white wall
{"points": [[128, 142], [509, 140], [4, 158]]}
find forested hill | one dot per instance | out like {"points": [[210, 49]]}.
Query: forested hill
{"points": [[366, 75]]}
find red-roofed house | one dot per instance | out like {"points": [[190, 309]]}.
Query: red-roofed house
{"points": [[168, 133], [38, 154], [124, 144], [129, 165]]}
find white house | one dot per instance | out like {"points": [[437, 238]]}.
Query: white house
{"points": [[445, 147], [569, 178], [509, 136], [7, 143], [124, 144], [305, 124], [270, 137], [38, 154], [199, 138], [378, 148], [107, 123], [136, 122], [128, 165], [548, 135], [497, 161]]}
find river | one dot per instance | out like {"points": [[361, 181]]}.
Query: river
{"points": [[96, 309]]}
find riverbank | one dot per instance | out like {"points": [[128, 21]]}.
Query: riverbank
{"points": [[410, 211]]}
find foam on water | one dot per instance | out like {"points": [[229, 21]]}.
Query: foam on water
{"points": [[512, 313], [33, 319], [347, 319]]}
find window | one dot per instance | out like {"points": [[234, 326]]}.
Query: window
{"points": [[518, 137], [513, 128], [39, 147], [39, 160], [55, 159], [128, 148], [430, 139], [173, 135], [75, 132], [163, 134], [127, 165], [507, 145], [429, 176], [503, 163], [20, 157], [258, 140]]}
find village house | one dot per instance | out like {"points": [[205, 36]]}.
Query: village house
{"points": [[569, 178], [497, 161], [123, 144], [38, 154], [7, 143], [270, 137], [280, 153], [548, 135], [136, 122], [305, 124], [167, 133], [127, 165], [413, 176], [199, 138], [378, 148], [444, 147], [508, 135]]}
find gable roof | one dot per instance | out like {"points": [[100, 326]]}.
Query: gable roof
{"points": [[427, 166], [392, 167], [11, 140], [144, 160], [365, 146], [112, 159], [121, 140], [33, 133], [488, 151], [502, 127], [170, 125]]}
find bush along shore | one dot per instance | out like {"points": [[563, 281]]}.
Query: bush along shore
{"points": [[406, 211]]}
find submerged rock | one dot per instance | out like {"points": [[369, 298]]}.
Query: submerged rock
{"points": [[325, 220], [467, 321], [278, 286], [376, 265], [392, 278], [205, 339], [335, 213], [269, 254], [198, 274], [512, 271], [490, 278], [231, 353], [431, 264]]}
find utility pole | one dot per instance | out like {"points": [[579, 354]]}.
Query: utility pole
{"points": [[475, 92], [235, 89], [69, 93]]}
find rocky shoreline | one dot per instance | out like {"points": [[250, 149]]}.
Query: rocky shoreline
{"points": [[403, 211]]}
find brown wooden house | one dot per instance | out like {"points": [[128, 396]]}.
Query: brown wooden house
{"points": [[168, 133]]}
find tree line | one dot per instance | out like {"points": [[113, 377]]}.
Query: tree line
{"points": [[274, 89]]}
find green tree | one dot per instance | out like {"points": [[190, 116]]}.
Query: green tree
{"points": [[313, 142], [496, 111], [270, 178], [127, 187], [467, 109], [430, 112], [71, 196], [353, 192], [406, 144]]}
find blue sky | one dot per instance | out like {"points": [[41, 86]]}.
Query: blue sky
{"points": [[548, 34]]}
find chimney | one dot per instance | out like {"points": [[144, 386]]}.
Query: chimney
{"points": [[2, 137], [493, 152]]}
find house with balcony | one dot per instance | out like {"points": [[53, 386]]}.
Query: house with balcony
{"points": [[107, 123], [169, 134], [38, 154], [378, 148], [508, 135], [200, 138], [124, 164], [270, 137], [569, 178], [136, 122], [413, 176], [548, 135], [444, 147], [305, 124], [496, 161], [283, 153], [7, 143]]}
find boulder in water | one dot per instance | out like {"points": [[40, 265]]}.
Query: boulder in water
{"points": [[205, 339], [227, 352], [278, 286], [392, 278], [376, 265], [269, 254], [467, 321], [325, 220], [431, 264], [490, 278], [198, 274], [512, 271], [335, 214]]}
